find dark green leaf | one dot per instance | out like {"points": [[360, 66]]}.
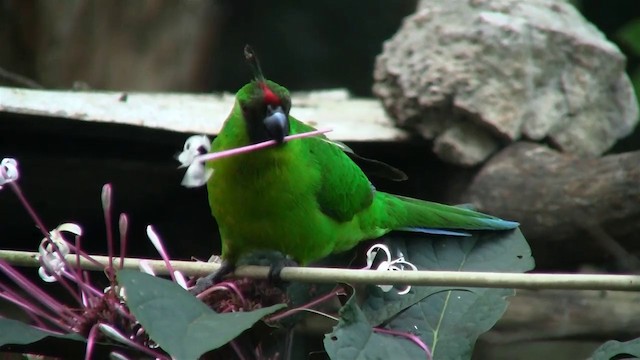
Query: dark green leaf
{"points": [[614, 348], [181, 324], [15, 332], [354, 339], [450, 320], [635, 80], [629, 34]]}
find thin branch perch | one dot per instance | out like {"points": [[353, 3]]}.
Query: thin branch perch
{"points": [[355, 276]]}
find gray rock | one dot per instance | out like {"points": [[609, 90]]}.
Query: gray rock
{"points": [[505, 70]]}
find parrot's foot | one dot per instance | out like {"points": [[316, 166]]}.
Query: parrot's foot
{"points": [[274, 259], [276, 268], [208, 281]]}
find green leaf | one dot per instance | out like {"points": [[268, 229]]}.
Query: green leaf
{"points": [[450, 320], [635, 80], [354, 339], [14, 332], [614, 348], [180, 323], [630, 35]]}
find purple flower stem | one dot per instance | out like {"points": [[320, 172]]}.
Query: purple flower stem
{"points": [[91, 341], [77, 278], [237, 349], [31, 309], [146, 350], [411, 337], [225, 286], [62, 281], [83, 254], [82, 279], [163, 254], [123, 224], [82, 285], [106, 207], [43, 229], [35, 291], [91, 298], [328, 296]]}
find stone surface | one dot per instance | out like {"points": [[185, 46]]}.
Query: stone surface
{"points": [[533, 69], [559, 198]]}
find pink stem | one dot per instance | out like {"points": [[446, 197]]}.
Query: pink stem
{"points": [[237, 349], [31, 309], [34, 291], [123, 224], [411, 337], [338, 291], [106, 208], [224, 286], [91, 341], [245, 149], [43, 229]]}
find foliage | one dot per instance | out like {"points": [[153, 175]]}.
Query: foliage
{"points": [[142, 315], [181, 324], [18, 333], [614, 350], [354, 338], [450, 320], [629, 35]]}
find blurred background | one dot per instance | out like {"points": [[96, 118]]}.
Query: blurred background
{"points": [[196, 46]]}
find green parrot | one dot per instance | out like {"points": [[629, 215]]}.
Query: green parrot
{"points": [[308, 198]]}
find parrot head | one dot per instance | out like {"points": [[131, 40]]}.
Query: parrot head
{"points": [[265, 105]]}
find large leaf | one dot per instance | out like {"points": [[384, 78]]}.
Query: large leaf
{"points": [[450, 320], [14, 332], [18, 337], [612, 348], [354, 339], [181, 324]]}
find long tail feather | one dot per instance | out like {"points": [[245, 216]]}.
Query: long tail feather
{"points": [[430, 217], [434, 231]]}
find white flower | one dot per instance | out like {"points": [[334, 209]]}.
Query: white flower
{"points": [[8, 171], [398, 264], [194, 146], [197, 174], [145, 266], [180, 279], [53, 261], [119, 290]]}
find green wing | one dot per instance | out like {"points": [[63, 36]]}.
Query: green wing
{"points": [[345, 189], [368, 166]]}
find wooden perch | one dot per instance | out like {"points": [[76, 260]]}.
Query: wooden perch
{"points": [[561, 197]]}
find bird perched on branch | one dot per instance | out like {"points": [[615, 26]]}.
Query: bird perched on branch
{"points": [[308, 198]]}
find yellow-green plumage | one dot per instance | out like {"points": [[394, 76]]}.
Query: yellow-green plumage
{"points": [[306, 198]]}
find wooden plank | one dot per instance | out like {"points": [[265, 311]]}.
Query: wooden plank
{"points": [[351, 119]]}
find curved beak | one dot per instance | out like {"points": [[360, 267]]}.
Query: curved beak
{"points": [[277, 123]]}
